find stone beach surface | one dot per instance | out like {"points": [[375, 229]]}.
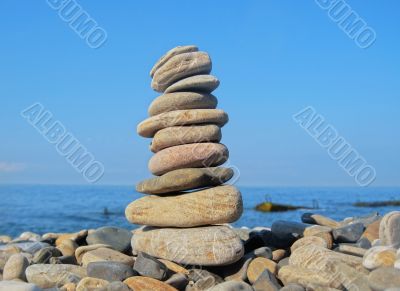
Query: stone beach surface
{"points": [[185, 241]]}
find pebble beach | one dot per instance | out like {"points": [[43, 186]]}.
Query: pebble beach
{"points": [[186, 239]]}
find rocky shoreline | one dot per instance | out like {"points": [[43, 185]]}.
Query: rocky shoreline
{"points": [[318, 253]]}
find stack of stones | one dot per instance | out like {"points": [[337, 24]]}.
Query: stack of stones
{"points": [[187, 203]]}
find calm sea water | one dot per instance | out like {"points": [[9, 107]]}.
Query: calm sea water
{"points": [[44, 209]]}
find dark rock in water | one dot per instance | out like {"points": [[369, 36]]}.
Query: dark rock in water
{"points": [[115, 286], [288, 229], [43, 256], [149, 266], [384, 278], [69, 260], [350, 233], [266, 281], [110, 271], [178, 280], [119, 239]]}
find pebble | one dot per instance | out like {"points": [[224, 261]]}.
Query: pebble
{"points": [[117, 238], [349, 233], [44, 255], [17, 286], [309, 240], [179, 67], [288, 229], [115, 286], [197, 83], [316, 229], [139, 283], [232, 286], [185, 179], [351, 250], [264, 252], [79, 252], [150, 126], [89, 283], [266, 281], [173, 52], [205, 283], [149, 266], [258, 266], [48, 276], [27, 247], [30, 236], [380, 256], [278, 255], [5, 239], [174, 267], [372, 231], [15, 267], [293, 287], [312, 218], [105, 254], [182, 101], [389, 231], [238, 270], [384, 278], [204, 246], [196, 155], [178, 281], [222, 204], [68, 247], [110, 271], [78, 237], [179, 135]]}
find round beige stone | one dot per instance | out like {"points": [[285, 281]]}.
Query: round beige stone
{"points": [[185, 179], [105, 254], [181, 101], [179, 135], [197, 83], [90, 283], [380, 256], [173, 52], [309, 240], [79, 252], [179, 67], [150, 126], [204, 246], [15, 267], [222, 204], [197, 155]]}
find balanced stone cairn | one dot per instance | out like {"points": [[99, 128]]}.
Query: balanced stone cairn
{"points": [[189, 204]]}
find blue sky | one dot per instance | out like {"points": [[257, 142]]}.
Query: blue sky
{"points": [[273, 59]]}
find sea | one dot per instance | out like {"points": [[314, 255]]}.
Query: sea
{"points": [[60, 208]]}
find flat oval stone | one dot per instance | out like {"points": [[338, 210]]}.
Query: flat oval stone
{"points": [[179, 67], [380, 256], [173, 52], [150, 126], [181, 101], [222, 204], [258, 266], [197, 83], [179, 135], [309, 240], [79, 252], [204, 246], [15, 267], [196, 155], [118, 238], [349, 233], [384, 278], [185, 179], [139, 283], [105, 254], [49, 276], [89, 283]]}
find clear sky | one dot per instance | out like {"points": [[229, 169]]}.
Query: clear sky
{"points": [[273, 59]]}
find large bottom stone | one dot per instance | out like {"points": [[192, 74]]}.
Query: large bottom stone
{"points": [[205, 246], [217, 205]]}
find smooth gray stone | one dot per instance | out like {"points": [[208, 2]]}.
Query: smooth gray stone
{"points": [[286, 229], [205, 283], [348, 234], [197, 83], [178, 280], [18, 286], [232, 286], [49, 276], [44, 255], [366, 219], [68, 260], [264, 252], [283, 262], [198, 274], [266, 281], [384, 278], [149, 266], [110, 271], [115, 286], [118, 238]]}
